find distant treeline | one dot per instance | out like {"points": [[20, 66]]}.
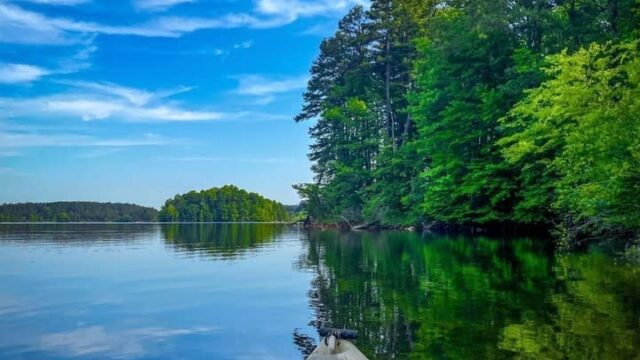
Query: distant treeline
{"points": [[76, 211], [227, 203]]}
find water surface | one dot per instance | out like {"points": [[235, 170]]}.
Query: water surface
{"points": [[252, 291]]}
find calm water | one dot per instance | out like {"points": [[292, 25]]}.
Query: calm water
{"points": [[258, 291]]}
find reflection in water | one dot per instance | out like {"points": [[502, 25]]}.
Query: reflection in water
{"points": [[70, 234], [96, 341], [453, 297], [221, 240], [129, 291], [305, 343], [137, 291]]}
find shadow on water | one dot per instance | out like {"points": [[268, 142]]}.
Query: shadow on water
{"points": [[224, 241], [454, 297]]}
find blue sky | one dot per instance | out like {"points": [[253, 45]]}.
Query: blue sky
{"points": [[137, 100]]}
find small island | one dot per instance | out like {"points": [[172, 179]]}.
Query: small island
{"points": [[224, 204]]}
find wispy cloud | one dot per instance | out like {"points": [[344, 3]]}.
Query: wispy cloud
{"points": [[109, 101], [16, 139], [258, 85], [322, 29], [25, 73], [18, 25], [28, 27], [220, 52], [239, 46], [20, 73], [95, 108], [78, 61], [22, 26], [158, 5], [293, 9], [243, 45], [58, 2], [133, 95], [264, 100]]}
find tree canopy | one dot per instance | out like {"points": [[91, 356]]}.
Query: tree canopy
{"points": [[227, 203], [478, 113]]}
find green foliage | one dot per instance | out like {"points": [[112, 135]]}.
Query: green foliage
{"points": [[227, 203], [478, 112], [462, 77], [76, 211], [357, 95], [577, 137]]}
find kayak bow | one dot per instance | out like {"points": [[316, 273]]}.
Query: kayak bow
{"points": [[335, 346]]}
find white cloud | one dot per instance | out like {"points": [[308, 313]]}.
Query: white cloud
{"points": [[243, 45], [103, 100], [264, 100], [20, 73], [58, 2], [108, 101], [25, 73], [238, 46], [322, 29], [158, 5], [79, 60], [293, 9], [22, 26], [257, 85], [26, 27], [220, 52], [134, 96], [95, 108], [20, 139], [91, 107]]}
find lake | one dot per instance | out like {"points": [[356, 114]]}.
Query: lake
{"points": [[257, 291]]}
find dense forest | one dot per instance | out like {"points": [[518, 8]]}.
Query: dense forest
{"points": [[227, 203], [479, 113], [76, 211]]}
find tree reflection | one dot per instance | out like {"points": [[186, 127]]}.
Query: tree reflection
{"points": [[220, 240], [413, 296]]}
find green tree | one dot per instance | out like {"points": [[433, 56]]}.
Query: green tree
{"points": [[576, 139], [424, 110], [227, 203]]}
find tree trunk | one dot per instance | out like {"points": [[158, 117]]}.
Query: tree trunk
{"points": [[387, 90]]}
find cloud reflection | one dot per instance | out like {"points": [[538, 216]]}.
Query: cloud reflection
{"points": [[96, 340]]}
